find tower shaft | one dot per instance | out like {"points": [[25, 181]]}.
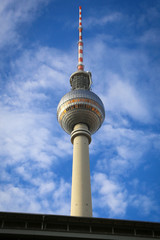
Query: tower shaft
{"points": [[81, 203]]}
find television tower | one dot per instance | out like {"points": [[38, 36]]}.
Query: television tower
{"points": [[80, 113]]}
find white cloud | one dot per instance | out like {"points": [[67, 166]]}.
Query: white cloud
{"points": [[101, 21], [35, 199], [46, 187], [14, 13], [37, 77], [24, 135], [62, 198], [125, 148], [144, 204], [31, 142], [113, 197], [23, 199], [124, 98], [29, 130], [150, 37], [123, 77], [30, 135], [110, 195]]}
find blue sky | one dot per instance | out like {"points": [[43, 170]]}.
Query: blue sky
{"points": [[38, 53]]}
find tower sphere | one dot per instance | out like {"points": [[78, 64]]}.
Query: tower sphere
{"points": [[80, 105]]}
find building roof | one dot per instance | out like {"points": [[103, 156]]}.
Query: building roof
{"points": [[42, 226]]}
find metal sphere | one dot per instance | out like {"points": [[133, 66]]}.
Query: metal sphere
{"points": [[80, 106]]}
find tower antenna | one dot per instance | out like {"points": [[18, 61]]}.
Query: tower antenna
{"points": [[80, 43]]}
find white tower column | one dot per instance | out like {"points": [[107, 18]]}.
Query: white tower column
{"points": [[81, 202]]}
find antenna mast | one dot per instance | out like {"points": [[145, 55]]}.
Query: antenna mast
{"points": [[80, 43]]}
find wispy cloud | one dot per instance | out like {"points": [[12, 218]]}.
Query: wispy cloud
{"points": [[123, 97], [13, 14], [30, 136], [128, 145], [120, 83], [150, 37], [35, 198], [113, 198], [110, 195], [101, 21], [145, 203], [36, 71]]}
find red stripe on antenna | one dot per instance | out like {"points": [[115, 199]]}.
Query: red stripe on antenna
{"points": [[80, 67], [80, 59]]}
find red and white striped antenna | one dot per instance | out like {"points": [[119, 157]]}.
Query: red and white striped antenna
{"points": [[80, 43]]}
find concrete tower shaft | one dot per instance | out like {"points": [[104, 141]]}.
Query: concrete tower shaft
{"points": [[80, 113], [81, 202]]}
